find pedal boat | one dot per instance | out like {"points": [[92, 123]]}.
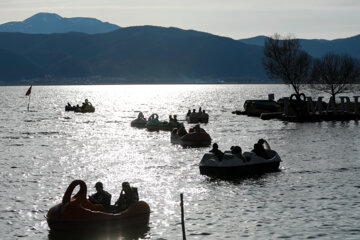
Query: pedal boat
{"points": [[197, 118], [235, 166], [79, 214], [195, 139], [85, 109], [153, 124]]}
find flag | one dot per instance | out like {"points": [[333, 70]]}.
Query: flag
{"points": [[28, 92]]}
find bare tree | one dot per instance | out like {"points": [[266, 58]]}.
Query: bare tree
{"points": [[284, 59], [335, 74]]}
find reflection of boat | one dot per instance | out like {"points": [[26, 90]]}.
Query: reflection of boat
{"points": [[194, 139], [153, 124], [85, 108], [234, 166], [139, 122], [137, 232], [78, 214], [197, 118]]}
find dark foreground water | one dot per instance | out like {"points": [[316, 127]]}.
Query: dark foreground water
{"points": [[316, 195]]}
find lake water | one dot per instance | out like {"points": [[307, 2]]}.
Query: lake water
{"points": [[316, 195]]}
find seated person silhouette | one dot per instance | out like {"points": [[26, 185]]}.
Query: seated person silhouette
{"points": [[181, 131], [141, 115], [215, 150], [236, 150], [259, 149], [101, 196], [128, 196]]}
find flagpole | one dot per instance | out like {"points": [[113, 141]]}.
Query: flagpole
{"points": [[28, 93], [28, 103]]}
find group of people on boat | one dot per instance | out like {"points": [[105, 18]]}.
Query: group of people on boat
{"points": [[258, 149], [128, 196], [196, 129], [194, 112], [69, 107], [173, 118], [197, 117]]}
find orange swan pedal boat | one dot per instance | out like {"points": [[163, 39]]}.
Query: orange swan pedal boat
{"points": [[77, 213]]}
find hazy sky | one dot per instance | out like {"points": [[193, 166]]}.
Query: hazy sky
{"points": [[327, 19]]}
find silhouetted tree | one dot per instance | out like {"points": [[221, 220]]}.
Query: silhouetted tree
{"points": [[335, 74], [284, 59]]}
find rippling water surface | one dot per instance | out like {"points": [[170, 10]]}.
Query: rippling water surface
{"points": [[314, 196]]}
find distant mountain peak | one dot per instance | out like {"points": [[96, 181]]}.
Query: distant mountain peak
{"points": [[47, 23], [43, 15]]}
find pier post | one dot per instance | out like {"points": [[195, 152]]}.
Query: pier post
{"points": [[286, 106], [356, 105], [182, 216]]}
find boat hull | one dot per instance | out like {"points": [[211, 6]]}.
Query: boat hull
{"points": [[236, 172], [160, 128], [191, 119], [69, 108], [200, 140], [115, 223], [138, 123], [257, 107], [87, 109]]}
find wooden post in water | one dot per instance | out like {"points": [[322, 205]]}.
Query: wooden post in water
{"points": [[182, 216]]}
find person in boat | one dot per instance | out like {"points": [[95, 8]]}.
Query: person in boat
{"points": [[170, 119], [101, 196], [175, 118], [200, 110], [68, 104], [128, 196], [193, 111], [84, 104], [236, 150], [141, 115], [181, 131], [215, 150], [197, 128], [259, 149], [188, 113]]}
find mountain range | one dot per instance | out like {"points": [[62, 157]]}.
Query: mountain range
{"points": [[142, 54], [136, 54], [319, 47]]}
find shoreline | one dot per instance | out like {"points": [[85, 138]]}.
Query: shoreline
{"points": [[126, 84]]}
